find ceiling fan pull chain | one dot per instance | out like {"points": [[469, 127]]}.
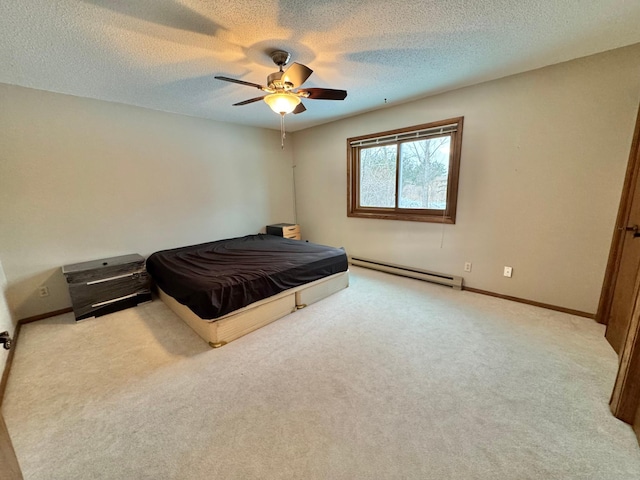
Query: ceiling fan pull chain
{"points": [[282, 134]]}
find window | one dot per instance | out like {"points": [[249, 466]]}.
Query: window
{"points": [[407, 174]]}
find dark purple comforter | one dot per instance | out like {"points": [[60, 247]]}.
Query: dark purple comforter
{"points": [[216, 278]]}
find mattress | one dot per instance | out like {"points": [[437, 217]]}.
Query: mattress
{"points": [[217, 278]]}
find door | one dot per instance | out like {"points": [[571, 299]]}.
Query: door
{"points": [[9, 468], [616, 301]]}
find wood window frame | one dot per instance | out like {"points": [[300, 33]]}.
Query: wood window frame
{"points": [[448, 215]]}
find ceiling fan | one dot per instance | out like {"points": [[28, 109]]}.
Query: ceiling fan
{"points": [[283, 94]]}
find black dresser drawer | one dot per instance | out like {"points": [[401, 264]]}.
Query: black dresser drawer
{"points": [[103, 268], [108, 285]]}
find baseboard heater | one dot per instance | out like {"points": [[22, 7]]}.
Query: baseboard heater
{"points": [[433, 277]]}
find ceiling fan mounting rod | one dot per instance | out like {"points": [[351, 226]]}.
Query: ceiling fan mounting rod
{"points": [[280, 58]]}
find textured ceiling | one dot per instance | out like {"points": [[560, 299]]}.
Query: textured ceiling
{"points": [[163, 54]]}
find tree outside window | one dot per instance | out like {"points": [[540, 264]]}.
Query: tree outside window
{"points": [[413, 175]]}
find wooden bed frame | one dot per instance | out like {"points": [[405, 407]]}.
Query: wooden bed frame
{"points": [[234, 325]]}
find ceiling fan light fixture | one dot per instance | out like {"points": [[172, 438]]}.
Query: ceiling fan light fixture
{"points": [[282, 103]]}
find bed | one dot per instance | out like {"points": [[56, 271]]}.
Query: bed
{"points": [[228, 288]]}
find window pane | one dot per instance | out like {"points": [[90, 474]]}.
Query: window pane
{"points": [[378, 176], [424, 173]]}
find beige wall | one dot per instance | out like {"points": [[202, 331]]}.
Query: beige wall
{"points": [[543, 160], [6, 322], [83, 179]]}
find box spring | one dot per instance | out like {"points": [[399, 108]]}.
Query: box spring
{"points": [[247, 319]]}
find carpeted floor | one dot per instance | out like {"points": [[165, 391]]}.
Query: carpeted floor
{"points": [[391, 378]]}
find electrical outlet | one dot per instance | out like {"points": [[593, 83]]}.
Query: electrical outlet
{"points": [[508, 271], [43, 291], [467, 266]]}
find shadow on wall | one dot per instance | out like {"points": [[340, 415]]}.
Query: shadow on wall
{"points": [[8, 319], [25, 299]]}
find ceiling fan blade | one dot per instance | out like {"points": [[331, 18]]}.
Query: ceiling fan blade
{"points": [[296, 74], [299, 109], [241, 82], [251, 100], [324, 94]]}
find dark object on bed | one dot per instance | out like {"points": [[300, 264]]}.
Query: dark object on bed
{"points": [[216, 278]]}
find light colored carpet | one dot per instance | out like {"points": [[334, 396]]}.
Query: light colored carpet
{"points": [[391, 378]]}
